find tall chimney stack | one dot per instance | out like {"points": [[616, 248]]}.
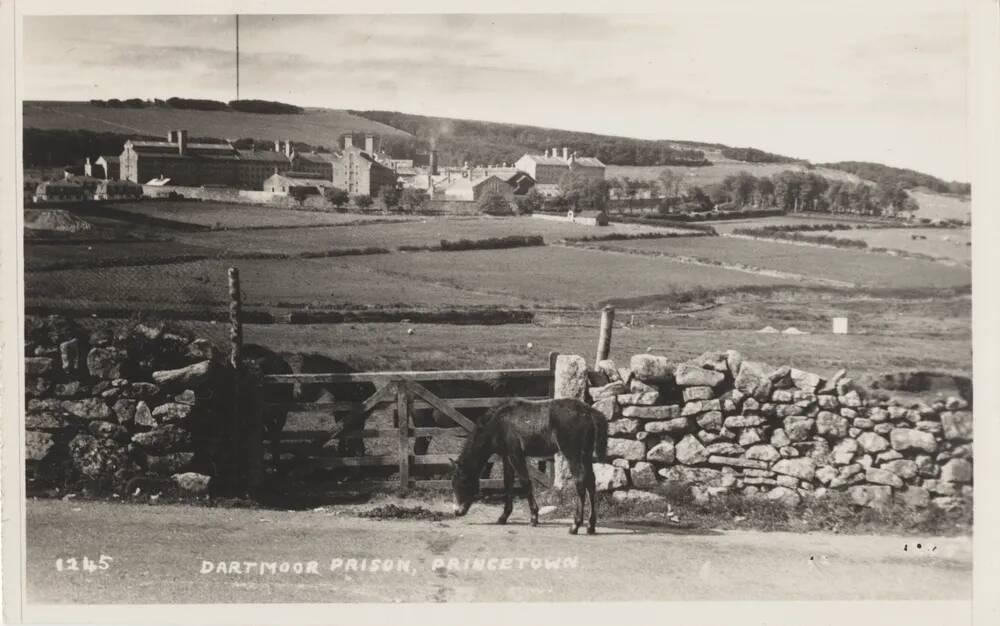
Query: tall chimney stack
{"points": [[434, 162], [348, 141], [288, 148], [565, 154], [370, 143], [172, 136], [277, 145], [182, 140]]}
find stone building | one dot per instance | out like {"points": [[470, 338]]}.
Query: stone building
{"points": [[289, 183], [358, 173], [549, 168], [59, 191], [118, 190], [106, 167]]}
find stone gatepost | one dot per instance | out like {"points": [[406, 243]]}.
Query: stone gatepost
{"points": [[570, 382]]}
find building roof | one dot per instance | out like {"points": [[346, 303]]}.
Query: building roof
{"points": [[587, 162], [298, 179], [542, 159], [60, 183], [266, 156], [589, 213], [109, 159], [322, 158]]}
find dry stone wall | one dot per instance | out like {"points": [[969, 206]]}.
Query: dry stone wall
{"points": [[723, 424], [123, 402]]}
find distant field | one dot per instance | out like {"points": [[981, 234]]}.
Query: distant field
{"points": [[223, 215], [419, 232], [555, 275], [949, 244], [44, 255], [716, 172], [728, 226], [314, 126], [265, 283], [870, 269], [938, 206]]}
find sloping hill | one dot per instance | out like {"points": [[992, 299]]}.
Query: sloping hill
{"points": [[317, 127]]}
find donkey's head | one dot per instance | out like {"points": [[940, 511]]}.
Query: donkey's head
{"points": [[465, 484]]}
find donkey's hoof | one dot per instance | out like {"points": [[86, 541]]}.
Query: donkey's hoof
{"points": [[502, 521], [591, 530], [534, 521], [573, 529]]}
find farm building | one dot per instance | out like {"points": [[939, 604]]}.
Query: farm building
{"points": [[549, 168], [106, 167], [521, 183], [290, 183], [118, 190], [588, 218], [358, 173], [59, 191], [474, 189]]}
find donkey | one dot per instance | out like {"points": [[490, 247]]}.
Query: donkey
{"points": [[518, 429]]}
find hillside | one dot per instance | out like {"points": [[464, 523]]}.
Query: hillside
{"points": [[317, 127], [906, 178], [475, 141]]}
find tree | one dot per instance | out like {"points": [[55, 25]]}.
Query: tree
{"points": [[493, 203], [336, 196], [530, 202], [362, 202], [413, 200], [390, 195], [672, 183], [582, 192]]}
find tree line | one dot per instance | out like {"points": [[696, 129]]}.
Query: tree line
{"points": [[200, 104], [905, 178], [460, 141]]}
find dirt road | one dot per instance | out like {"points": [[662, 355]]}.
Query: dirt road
{"points": [[167, 554]]}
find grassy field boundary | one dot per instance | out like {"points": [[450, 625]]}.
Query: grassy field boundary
{"points": [[824, 243], [738, 267]]}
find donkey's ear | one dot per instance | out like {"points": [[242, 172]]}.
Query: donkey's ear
{"points": [[454, 465]]}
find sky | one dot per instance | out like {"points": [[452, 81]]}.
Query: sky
{"points": [[882, 81]]}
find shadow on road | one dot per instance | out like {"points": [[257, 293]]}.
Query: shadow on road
{"points": [[619, 527]]}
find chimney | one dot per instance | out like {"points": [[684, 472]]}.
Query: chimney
{"points": [[565, 154], [434, 162], [277, 145], [182, 140], [370, 143], [348, 141], [288, 148], [171, 136]]}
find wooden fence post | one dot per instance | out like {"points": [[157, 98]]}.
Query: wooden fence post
{"points": [[237, 430], [604, 339], [404, 408]]}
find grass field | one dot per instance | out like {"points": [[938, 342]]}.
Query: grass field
{"points": [[38, 256], [727, 226], [558, 276], [419, 232], [314, 126], [869, 269], [225, 215], [939, 206], [949, 244], [301, 282]]}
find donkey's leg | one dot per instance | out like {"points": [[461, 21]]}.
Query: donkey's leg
{"points": [[521, 466], [591, 483], [508, 491], [581, 497]]}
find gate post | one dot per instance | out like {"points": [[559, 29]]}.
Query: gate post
{"points": [[570, 378], [404, 408], [604, 339], [237, 432]]}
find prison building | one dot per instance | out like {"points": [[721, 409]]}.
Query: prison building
{"points": [[319, 164], [256, 166], [184, 163], [550, 167], [358, 173], [105, 166]]}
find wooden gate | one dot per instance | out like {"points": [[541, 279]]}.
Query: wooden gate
{"points": [[404, 393]]}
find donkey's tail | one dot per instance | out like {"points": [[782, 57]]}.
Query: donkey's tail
{"points": [[600, 434]]}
